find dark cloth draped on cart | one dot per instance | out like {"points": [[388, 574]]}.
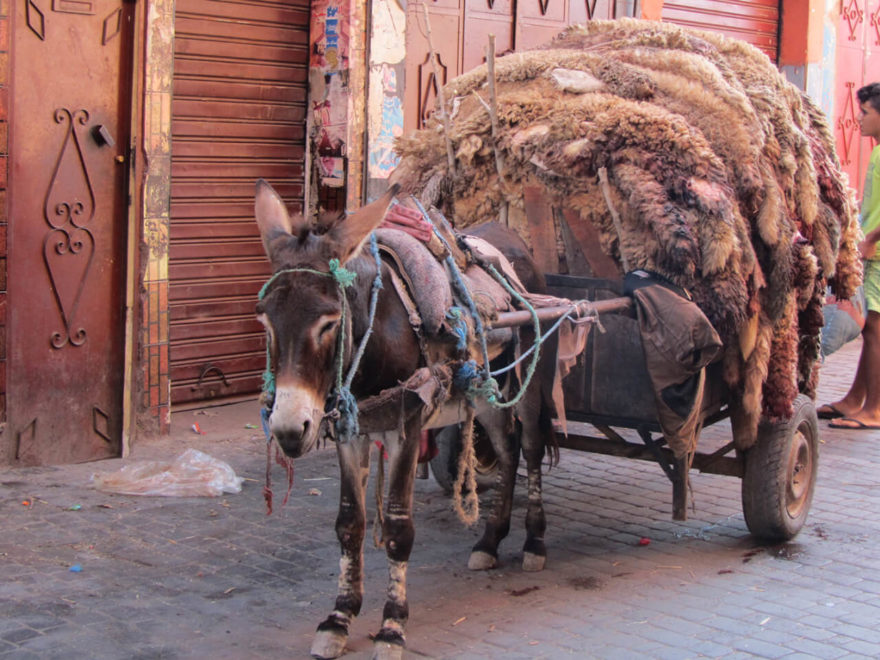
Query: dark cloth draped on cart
{"points": [[678, 341]]}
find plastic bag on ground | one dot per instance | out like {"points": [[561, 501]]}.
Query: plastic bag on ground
{"points": [[193, 473]]}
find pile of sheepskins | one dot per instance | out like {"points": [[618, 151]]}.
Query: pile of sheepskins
{"points": [[722, 176]]}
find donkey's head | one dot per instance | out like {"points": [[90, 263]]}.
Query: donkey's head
{"points": [[302, 310]]}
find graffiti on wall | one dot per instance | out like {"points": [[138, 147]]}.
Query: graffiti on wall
{"points": [[329, 89], [385, 106]]}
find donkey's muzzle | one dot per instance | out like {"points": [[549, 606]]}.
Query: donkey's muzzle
{"points": [[295, 420]]}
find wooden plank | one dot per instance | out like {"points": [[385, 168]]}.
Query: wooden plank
{"points": [[539, 217], [587, 238]]}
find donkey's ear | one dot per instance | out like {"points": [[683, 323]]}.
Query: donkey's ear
{"points": [[272, 217], [350, 234]]}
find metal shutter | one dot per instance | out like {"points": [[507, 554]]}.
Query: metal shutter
{"points": [[238, 110], [754, 21]]}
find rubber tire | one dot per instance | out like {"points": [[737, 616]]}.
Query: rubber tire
{"points": [[780, 474], [444, 466]]}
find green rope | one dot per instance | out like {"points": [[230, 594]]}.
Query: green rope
{"points": [[536, 324]]}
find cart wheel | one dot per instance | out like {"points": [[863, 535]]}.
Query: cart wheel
{"points": [[780, 474], [444, 465]]}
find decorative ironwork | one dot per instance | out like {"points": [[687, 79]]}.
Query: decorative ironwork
{"points": [[874, 21], [69, 246], [853, 14], [35, 19], [112, 26], [848, 123], [591, 9], [74, 7], [428, 87], [101, 423], [543, 4]]}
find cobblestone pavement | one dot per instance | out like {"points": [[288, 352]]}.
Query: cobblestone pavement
{"points": [[218, 578]]}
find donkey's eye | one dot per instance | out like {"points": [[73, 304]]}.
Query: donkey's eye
{"points": [[327, 329]]}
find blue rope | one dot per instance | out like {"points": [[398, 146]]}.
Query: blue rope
{"points": [[459, 327], [347, 427]]}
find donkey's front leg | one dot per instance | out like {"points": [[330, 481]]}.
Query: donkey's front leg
{"points": [[398, 533], [354, 468]]}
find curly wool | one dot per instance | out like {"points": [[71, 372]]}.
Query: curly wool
{"points": [[724, 177]]}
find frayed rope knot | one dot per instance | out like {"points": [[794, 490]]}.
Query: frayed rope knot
{"points": [[347, 426], [341, 274], [475, 382], [459, 327]]}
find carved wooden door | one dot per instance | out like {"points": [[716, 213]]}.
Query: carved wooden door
{"points": [[69, 128]]}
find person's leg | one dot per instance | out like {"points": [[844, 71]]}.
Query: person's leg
{"points": [[866, 385]]}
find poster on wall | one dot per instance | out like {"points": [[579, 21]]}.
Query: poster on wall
{"points": [[329, 88], [385, 105]]}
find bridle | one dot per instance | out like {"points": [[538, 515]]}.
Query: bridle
{"points": [[343, 412]]}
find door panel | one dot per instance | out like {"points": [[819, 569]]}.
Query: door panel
{"points": [[67, 246]]}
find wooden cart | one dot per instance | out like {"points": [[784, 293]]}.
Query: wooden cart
{"points": [[610, 389]]}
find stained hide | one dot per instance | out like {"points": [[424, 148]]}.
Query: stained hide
{"points": [[723, 175]]}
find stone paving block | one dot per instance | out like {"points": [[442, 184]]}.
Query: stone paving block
{"points": [[856, 646], [815, 649]]}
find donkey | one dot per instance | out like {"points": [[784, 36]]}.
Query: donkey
{"points": [[304, 313]]}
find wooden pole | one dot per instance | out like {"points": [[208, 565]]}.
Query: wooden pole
{"points": [[615, 217], [523, 317]]}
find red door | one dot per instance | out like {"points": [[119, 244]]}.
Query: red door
{"points": [[69, 128]]}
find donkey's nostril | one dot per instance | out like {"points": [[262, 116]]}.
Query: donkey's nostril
{"points": [[305, 430]]}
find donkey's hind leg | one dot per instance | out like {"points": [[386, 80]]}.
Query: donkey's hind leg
{"points": [[354, 467], [537, 432], [498, 425]]}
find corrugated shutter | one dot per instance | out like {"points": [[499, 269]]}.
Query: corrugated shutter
{"points": [[240, 85], [754, 21]]}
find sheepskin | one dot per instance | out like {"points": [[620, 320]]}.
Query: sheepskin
{"points": [[724, 177]]}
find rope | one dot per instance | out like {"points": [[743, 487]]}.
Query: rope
{"points": [[379, 520], [467, 508]]}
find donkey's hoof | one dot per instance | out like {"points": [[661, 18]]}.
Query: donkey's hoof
{"points": [[481, 561], [387, 651], [328, 644], [533, 563]]}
